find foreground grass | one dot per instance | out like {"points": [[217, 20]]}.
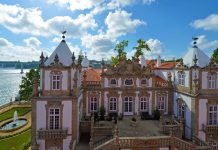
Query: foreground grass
{"points": [[15, 142], [10, 113]]}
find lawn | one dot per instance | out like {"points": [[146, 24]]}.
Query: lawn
{"points": [[10, 113], [16, 142]]}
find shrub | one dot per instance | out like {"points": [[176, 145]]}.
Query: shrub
{"points": [[156, 114], [102, 113], [134, 119]]}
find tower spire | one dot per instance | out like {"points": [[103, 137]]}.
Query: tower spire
{"points": [[63, 35], [195, 39]]}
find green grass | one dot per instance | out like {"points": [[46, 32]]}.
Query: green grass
{"points": [[10, 113], [15, 142]]}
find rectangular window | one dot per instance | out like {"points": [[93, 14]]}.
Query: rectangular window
{"points": [[54, 118], [113, 104], [56, 82], [93, 104], [181, 110], [212, 81], [161, 102], [144, 104], [213, 118], [181, 79]]}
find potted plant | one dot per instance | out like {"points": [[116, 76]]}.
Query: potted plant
{"points": [[156, 114], [102, 113], [133, 122]]}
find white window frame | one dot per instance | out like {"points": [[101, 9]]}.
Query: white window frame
{"points": [[53, 123], [113, 104], [161, 100], [127, 84], [211, 81], [144, 104], [56, 83], [181, 78], [213, 144], [213, 115], [93, 104]]}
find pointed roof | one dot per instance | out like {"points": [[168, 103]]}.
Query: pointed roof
{"points": [[64, 54], [85, 62], [202, 61]]}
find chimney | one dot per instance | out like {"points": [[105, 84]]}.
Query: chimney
{"points": [[158, 61]]}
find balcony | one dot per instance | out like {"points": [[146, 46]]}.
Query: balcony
{"points": [[211, 129], [52, 134]]}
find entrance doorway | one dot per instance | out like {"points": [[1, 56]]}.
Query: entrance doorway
{"points": [[128, 106]]}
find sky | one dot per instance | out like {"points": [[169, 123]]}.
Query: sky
{"points": [[95, 26]]}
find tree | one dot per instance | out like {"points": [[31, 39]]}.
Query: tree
{"points": [[140, 47], [80, 57], [26, 86], [215, 55], [121, 53]]}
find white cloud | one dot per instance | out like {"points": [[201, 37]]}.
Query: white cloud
{"points": [[76, 4], [100, 46], [30, 21], [205, 44], [18, 52], [32, 42], [119, 23], [119, 3], [148, 2], [5, 43], [208, 23]]}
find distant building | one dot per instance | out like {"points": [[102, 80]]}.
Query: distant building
{"points": [[70, 92]]}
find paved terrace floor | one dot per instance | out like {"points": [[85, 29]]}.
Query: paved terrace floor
{"points": [[142, 128]]}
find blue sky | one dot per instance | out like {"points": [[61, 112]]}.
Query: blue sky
{"points": [[95, 26]]}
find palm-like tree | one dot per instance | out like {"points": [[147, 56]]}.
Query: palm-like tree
{"points": [[120, 47], [140, 47]]}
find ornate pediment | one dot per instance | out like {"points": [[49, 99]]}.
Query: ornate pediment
{"points": [[181, 65], [129, 68]]}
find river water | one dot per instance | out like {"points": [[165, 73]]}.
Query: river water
{"points": [[10, 80]]}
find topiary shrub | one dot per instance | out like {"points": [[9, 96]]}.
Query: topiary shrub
{"points": [[156, 114], [102, 113]]}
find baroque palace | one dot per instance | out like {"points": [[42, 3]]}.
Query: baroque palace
{"points": [[114, 107]]}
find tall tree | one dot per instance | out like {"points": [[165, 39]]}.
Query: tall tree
{"points": [[26, 86], [141, 45], [215, 55], [120, 47]]}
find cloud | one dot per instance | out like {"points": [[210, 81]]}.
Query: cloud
{"points": [[30, 21], [75, 4], [32, 42], [208, 23], [204, 44], [120, 23], [119, 3], [100, 46], [5, 43], [148, 2], [18, 52]]}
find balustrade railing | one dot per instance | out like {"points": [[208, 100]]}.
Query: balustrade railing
{"points": [[212, 129], [52, 134]]}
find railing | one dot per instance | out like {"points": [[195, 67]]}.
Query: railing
{"points": [[212, 129], [93, 83], [150, 142], [52, 134], [161, 84], [103, 140]]}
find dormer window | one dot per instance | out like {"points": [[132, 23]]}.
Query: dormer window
{"points": [[211, 81], [56, 82], [113, 82], [144, 82], [128, 82], [181, 78]]}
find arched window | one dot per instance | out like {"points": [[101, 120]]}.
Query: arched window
{"points": [[113, 104], [128, 82], [181, 107], [113, 82], [93, 104], [144, 82], [144, 104]]}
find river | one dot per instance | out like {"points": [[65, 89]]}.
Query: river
{"points": [[10, 80]]}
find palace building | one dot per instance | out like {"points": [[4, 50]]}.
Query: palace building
{"points": [[185, 93]]}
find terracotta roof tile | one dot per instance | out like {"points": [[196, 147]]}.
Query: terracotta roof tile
{"points": [[93, 74]]}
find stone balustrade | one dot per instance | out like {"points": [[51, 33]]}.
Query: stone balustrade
{"points": [[211, 129], [52, 134], [151, 143]]}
